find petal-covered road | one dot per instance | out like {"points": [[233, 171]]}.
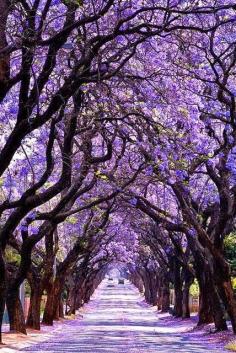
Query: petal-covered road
{"points": [[117, 321]]}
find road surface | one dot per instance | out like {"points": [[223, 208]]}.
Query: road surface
{"points": [[118, 321]]}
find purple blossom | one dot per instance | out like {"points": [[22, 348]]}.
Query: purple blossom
{"points": [[23, 227], [133, 201], [56, 2], [120, 39], [210, 163], [230, 139], [192, 232], [181, 174], [149, 170], [34, 230], [168, 250], [13, 110], [24, 171], [32, 215]]}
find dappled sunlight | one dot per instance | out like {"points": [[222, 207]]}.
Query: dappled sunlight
{"points": [[115, 322]]}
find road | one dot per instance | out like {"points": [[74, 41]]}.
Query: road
{"points": [[118, 321]]}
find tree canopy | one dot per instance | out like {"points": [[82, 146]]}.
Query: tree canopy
{"points": [[117, 148]]}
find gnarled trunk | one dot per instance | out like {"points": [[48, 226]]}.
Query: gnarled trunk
{"points": [[227, 296], [210, 306], [178, 287], [230, 302], [33, 318], [188, 280], [165, 296], [15, 312], [48, 314], [61, 309], [205, 311]]}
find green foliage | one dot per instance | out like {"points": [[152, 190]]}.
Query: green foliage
{"points": [[194, 289], [48, 184], [83, 243], [12, 256], [27, 289], [230, 249], [234, 283], [101, 176], [72, 220], [75, 2]]}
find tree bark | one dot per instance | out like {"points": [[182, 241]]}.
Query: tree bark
{"points": [[205, 315], [210, 306], [61, 309], [188, 280], [4, 59], [136, 279], [33, 318], [178, 287], [153, 287], [186, 309], [165, 296], [227, 295], [35, 282], [15, 312], [222, 278], [57, 302], [3, 291], [48, 314], [159, 298]]}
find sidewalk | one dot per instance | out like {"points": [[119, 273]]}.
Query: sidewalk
{"points": [[13, 342]]}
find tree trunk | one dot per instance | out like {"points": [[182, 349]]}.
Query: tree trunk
{"points": [[186, 309], [33, 319], [178, 306], [61, 309], [58, 305], [136, 279], [210, 306], [188, 280], [150, 286], [165, 296], [15, 312], [3, 291], [78, 297], [35, 282], [48, 285], [72, 301], [56, 309], [147, 293], [227, 295], [48, 314], [205, 312], [153, 288], [151, 283], [178, 284], [159, 298], [4, 59], [222, 278]]}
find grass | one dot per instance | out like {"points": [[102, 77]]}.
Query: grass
{"points": [[70, 317], [231, 346]]}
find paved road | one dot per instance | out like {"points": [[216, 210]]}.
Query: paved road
{"points": [[118, 321]]}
